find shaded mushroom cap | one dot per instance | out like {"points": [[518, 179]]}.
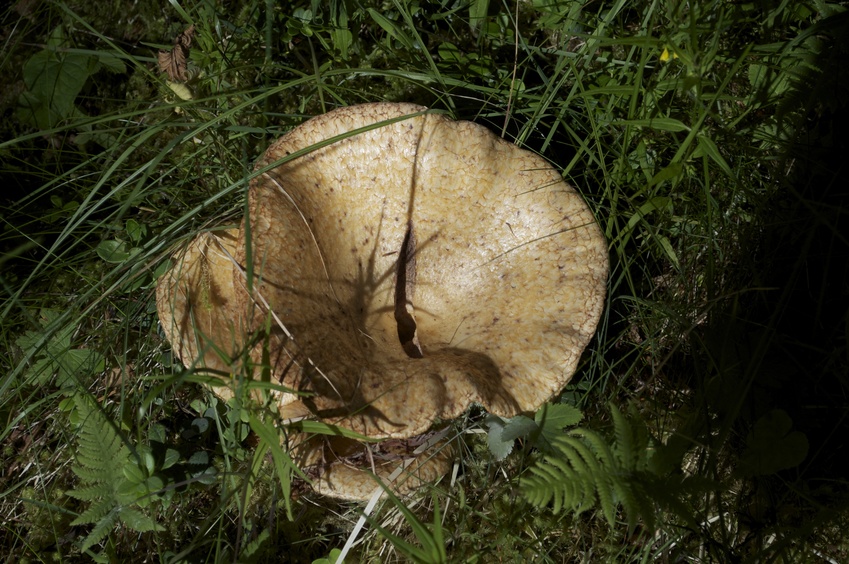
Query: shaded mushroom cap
{"points": [[200, 317], [190, 299], [497, 262], [196, 300]]}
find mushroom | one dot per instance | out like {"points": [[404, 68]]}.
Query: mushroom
{"points": [[395, 266], [199, 316]]}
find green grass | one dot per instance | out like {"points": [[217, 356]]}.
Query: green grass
{"points": [[715, 172]]}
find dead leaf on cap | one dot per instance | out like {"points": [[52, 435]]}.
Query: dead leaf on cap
{"points": [[174, 62]]}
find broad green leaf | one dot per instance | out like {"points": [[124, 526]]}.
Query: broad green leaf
{"points": [[667, 173], [199, 458], [499, 447], [133, 473], [53, 82], [342, 40], [113, 251], [518, 427], [448, 52], [78, 363], [172, 457], [772, 446], [135, 230], [552, 419], [331, 558], [478, 10]]}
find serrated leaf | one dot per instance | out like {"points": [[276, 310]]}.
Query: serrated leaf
{"points": [[584, 470], [519, 427], [157, 433], [773, 82], [41, 371], [200, 458], [29, 340], [101, 529], [254, 548], [552, 419], [75, 363], [497, 446], [90, 493], [94, 514], [138, 521]]}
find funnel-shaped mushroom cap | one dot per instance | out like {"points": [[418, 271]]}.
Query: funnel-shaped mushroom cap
{"points": [[415, 265]]}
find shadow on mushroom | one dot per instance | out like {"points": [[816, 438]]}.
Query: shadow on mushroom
{"points": [[408, 269]]}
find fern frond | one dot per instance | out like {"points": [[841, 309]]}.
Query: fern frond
{"points": [[101, 460], [631, 441], [94, 513], [623, 437], [137, 521], [91, 493], [100, 530], [102, 453], [585, 470]]}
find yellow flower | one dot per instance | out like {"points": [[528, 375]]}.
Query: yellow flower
{"points": [[666, 55]]}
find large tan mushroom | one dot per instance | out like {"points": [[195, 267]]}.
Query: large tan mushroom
{"points": [[395, 267]]}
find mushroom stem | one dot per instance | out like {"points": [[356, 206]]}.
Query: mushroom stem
{"points": [[405, 280]]}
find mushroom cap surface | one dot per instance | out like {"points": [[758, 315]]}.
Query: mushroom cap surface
{"points": [[200, 317], [394, 268], [190, 299], [504, 269], [346, 469]]}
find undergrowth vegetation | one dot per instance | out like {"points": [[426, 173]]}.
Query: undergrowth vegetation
{"points": [[707, 419]]}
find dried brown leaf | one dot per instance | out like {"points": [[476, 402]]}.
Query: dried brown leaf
{"points": [[174, 62]]}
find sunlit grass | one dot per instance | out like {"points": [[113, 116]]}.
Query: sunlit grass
{"points": [[697, 134]]}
